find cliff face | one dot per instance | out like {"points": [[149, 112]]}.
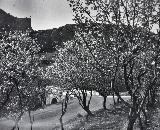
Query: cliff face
{"points": [[9, 22]]}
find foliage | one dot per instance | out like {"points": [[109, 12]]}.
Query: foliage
{"points": [[118, 34], [20, 73], [72, 72]]}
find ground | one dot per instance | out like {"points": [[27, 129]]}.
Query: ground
{"points": [[114, 118], [48, 118]]}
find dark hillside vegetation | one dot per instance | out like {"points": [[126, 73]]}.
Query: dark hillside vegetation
{"points": [[9, 22], [49, 39]]}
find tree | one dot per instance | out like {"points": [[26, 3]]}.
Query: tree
{"points": [[64, 108], [123, 28], [19, 68], [75, 75]]}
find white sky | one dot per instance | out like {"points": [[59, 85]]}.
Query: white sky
{"points": [[46, 14]]}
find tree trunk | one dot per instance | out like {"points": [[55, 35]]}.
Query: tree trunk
{"points": [[140, 123], [31, 120], [13, 128], [64, 109], [145, 116], [153, 97], [61, 122], [132, 118], [113, 98], [118, 100], [88, 111], [104, 102], [31, 127], [131, 123]]}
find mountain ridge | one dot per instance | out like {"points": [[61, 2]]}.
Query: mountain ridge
{"points": [[10, 22]]}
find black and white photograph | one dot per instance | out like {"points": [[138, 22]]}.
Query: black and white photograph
{"points": [[79, 64]]}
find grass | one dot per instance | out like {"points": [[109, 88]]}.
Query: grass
{"points": [[113, 119], [48, 118], [75, 118]]}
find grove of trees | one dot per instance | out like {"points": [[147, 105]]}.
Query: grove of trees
{"points": [[115, 48]]}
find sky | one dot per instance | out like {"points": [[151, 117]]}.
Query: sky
{"points": [[45, 14]]}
